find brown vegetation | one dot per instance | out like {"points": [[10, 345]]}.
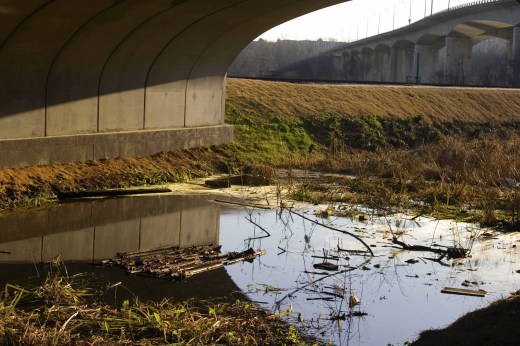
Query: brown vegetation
{"points": [[26, 186], [386, 102]]}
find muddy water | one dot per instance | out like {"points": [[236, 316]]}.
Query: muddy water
{"points": [[399, 298]]}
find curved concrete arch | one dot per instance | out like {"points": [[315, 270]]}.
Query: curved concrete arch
{"points": [[72, 93], [382, 47], [122, 85], [355, 52], [25, 59], [19, 12], [435, 40], [403, 44], [165, 89], [209, 69], [367, 50], [481, 30]]}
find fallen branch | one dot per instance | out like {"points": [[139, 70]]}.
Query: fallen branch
{"points": [[333, 229], [108, 193], [257, 206], [451, 252], [418, 247], [261, 228]]}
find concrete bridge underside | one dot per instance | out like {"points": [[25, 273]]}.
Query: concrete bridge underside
{"points": [[92, 79]]}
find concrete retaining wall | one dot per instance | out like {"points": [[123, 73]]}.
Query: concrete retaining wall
{"points": [[49, 150]]}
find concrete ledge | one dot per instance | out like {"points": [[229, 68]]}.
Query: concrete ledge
{"points": [[63, 149]]}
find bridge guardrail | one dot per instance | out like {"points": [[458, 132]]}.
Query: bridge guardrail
{"points": [[469, 4]]}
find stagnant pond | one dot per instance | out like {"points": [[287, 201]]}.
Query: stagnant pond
{"points": [[399, 291]]}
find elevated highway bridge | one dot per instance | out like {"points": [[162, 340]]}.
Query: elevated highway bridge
{"points": [[93, 79], [438, 49]]}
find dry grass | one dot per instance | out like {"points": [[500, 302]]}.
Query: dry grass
{"points": [[386, 102], [64, 310], [26, 186]]}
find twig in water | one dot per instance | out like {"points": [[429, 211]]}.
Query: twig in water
{"points": [[257, 225], [333, 229], [257, 206]]}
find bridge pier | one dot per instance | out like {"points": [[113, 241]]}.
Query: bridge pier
{"points": [[515, 57], [394, 60], [382, 63], [401, 63], [367, 58], [457, 68], [424, 62]]}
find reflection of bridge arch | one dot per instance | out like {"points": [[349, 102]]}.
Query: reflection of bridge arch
{"points": [[105, 68]]}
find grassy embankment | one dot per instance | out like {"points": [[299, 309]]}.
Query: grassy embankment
{"points": [[445, 152]]}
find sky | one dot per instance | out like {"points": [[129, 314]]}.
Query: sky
{"points": [[357, 19]]}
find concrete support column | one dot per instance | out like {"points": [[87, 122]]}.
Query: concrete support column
{"points": [[423, 64], [355, 71], [515, 57], [394, 59], [407, 65], [382, 64], [457, 68], [367, 64]]}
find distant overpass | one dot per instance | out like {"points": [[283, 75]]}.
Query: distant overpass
{"points": [[92, 79], [435, 50]]}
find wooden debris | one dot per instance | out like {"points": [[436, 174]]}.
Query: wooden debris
{"points": [[326, 266], [179, 263], [465, 292], [450, 252], [108, 193], [244, 179]]}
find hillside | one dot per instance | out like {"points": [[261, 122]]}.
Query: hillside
{"points": [[468, 105]]}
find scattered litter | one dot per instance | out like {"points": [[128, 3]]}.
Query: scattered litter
{"points": [[353, 301]]}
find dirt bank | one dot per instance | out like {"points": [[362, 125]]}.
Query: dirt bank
{"points": [[494, 325]]}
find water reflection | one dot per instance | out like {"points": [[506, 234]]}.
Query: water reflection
{"points": [[99, 229], [400, 291]]}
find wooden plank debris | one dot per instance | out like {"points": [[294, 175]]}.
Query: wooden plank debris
{"points": [[179, 263], [465, 292]]}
